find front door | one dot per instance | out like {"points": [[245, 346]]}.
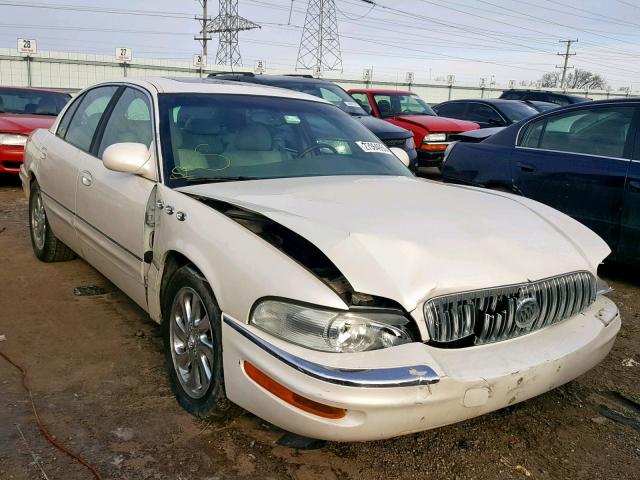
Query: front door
{"points": [[577, 162], [112, 205]]}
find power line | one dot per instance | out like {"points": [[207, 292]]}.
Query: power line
{"points": [[228, 23]]}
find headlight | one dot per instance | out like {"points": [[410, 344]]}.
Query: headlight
{"points": [[410, 144], [331, 330], [435, 137], [13, 139]]}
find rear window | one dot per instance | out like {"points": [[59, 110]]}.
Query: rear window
{"points": [[32, 102]]}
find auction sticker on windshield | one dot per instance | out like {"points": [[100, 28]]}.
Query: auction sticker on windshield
{"points": [[373, 147]]}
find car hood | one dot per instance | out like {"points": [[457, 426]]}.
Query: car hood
{"points": [[438, 124], [25, 124], [407, 239], [383, 130]]}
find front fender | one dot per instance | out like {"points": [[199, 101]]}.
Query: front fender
{"points": [[240, 266]]}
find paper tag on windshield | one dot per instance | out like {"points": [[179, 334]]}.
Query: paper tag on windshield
{"points": [[352, 104], [373, 147]]}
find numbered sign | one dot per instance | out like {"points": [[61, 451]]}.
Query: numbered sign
{"points": [[367, 73], [124, 54], [451, 79], [27, 45], [199, 61], [317, 71], [512, 84], [410, 77], [260, 67]]}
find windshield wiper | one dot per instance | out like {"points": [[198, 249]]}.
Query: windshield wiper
{"points": [[217, 179]]}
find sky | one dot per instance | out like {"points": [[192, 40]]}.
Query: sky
{"points": [[499, 40]]}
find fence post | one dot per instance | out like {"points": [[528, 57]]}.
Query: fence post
{"points": [[28, 59]]}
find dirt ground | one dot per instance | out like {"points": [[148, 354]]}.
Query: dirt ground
{"points": [[98, 378]]}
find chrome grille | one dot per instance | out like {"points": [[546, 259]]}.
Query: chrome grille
{"points": [[495, 314]]}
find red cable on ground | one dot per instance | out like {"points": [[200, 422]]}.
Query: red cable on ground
{"points": [[42, 428]]}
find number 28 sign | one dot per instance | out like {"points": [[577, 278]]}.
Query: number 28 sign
{"points": [[124, 54], [27, 45]]}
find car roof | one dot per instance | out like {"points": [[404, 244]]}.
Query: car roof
{"points": [[33, 89], [266, 79], [382, 91], [490, 101], [208, 85], [525, 90]]}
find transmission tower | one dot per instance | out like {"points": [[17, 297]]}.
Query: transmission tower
{"points": [[320, 42], [227, 24]]}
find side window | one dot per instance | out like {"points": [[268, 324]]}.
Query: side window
{"points": [[451, 110], [557, 99], [597, 131], [540, 97], [361, 98], [63, 126], [330, 96], [383, 102], [85, 121], [483, 113], [512, 95], [130, 121]]}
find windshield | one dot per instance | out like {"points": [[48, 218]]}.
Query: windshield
{"points": [[328, 91], [209, 138], [393, 104], [516, 111], [32, 102]]}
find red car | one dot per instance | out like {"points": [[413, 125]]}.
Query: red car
{"points": [[408, 110], [23, 110]]}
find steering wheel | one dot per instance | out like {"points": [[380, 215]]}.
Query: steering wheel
{"points": [[317, 146]]}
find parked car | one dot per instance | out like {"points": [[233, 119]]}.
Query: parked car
{"points": [[474, 136], [543, 96], [580, 159], [408, 110], [391, 135], [294, 269], [540, 106], [488, 112], [22, 110]]}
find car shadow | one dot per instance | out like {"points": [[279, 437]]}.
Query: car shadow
{"points": [[9, 180], [618, 272]]}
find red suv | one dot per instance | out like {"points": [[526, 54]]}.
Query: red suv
{"points": [[408, 110], [23, 110]]}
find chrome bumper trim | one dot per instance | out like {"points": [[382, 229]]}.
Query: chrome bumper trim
{"points": [[409, 376]]}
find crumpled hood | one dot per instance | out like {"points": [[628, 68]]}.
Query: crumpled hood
{"points": [[438, 124], [406, 238]]}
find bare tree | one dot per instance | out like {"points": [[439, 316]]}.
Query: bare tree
{"points": [[550, 80], [578, 79]]}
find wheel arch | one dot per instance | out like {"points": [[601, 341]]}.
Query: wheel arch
{"points": [[172, 261]]}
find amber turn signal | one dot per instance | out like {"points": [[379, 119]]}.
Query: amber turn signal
{"points": [[290, 397], [434, 147]]}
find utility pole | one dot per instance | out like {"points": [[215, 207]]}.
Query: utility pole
{"points": [[566, 56], [320, 42], [204, 22], [228, 23]]}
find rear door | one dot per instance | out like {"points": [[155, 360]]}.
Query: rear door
{"points": [[577, 162], [629, 246], [62, 157], [112, 205]]}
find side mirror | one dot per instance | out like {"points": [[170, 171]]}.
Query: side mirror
{"points": [[402, 155], [129, 158]]}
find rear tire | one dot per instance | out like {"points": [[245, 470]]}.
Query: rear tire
{"points": [[192, 336], [46, 245]]}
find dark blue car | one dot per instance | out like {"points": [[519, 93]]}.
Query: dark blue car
{"points": [[583, 160]]}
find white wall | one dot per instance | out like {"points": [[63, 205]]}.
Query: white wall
{"points": [[74, 71]]}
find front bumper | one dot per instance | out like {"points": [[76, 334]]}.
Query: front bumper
{"points": [[11, 158], [431, 158], [422, 387]]}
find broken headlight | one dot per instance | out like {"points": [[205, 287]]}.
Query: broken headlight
{"points": [[331, 330]]}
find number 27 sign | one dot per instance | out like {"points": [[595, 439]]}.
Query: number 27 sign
{"points": [[123, 54]]}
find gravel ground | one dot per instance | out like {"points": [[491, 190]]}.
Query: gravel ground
{"points": [[96, 369]]}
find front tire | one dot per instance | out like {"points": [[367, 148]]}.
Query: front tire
{"points": [[192, 338], [46, 245]]}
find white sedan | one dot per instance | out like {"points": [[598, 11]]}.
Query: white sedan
{"points": [[299, 270]]}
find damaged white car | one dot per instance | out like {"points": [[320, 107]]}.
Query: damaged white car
{"points": [[300, 271]]}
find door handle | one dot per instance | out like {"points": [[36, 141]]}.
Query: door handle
{"points": [[525, 167], [86, 178], [634, 186]]}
